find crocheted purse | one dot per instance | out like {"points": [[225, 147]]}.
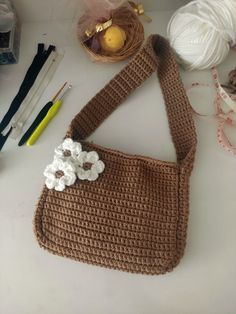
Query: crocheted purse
{"points": [[116, 210]]}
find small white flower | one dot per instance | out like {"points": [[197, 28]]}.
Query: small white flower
{"points": [[68, 150], [69, 161], [89, 166], [59, 174]]}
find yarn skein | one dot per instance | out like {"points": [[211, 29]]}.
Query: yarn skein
{"points": [[202, 32]]}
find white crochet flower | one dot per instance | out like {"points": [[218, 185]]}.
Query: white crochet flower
{"points": [[59, 174], [68, 150], [89, 166]]}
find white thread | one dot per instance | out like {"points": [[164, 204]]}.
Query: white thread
{"points": [[202, 32]]}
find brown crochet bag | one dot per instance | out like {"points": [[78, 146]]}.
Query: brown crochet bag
{"points": [[134, 216]]}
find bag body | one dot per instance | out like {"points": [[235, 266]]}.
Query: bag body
{"points": [[134, 216]]}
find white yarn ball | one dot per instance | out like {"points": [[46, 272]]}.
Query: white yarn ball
{"points": [[202, 32]]}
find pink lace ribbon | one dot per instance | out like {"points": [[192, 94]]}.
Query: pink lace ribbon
{"points": [[224, 117]]}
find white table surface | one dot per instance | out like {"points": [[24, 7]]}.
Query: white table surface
{"points": [[33, 281]]}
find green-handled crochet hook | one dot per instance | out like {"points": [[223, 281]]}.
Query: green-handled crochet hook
{"points": [[41, 115], [49, 116]]}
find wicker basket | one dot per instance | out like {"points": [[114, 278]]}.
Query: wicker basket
{"points": [[128, 20]]}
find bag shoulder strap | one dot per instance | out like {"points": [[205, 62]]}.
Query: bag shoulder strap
{"points": [[156, 54]]}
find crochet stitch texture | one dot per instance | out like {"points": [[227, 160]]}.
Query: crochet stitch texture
{"points": [[134, 216]]}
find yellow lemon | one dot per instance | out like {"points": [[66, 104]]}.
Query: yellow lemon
{"points": [[113, 39]]}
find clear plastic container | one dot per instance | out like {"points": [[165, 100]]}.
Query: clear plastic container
{"points": [[10, 39]]}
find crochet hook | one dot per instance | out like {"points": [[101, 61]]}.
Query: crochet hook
{"points": [[40, 117], [49, 116]]}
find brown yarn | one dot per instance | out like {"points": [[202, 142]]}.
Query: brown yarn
{"points": [[134, 216]]}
